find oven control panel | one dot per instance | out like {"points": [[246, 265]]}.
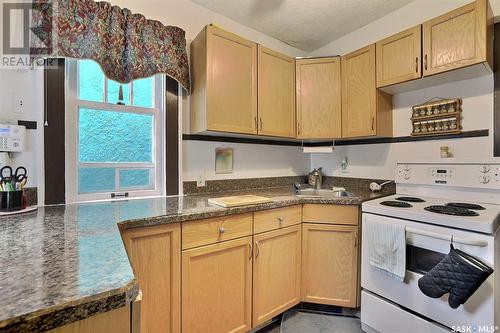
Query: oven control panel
{"points": [[482, 175]]}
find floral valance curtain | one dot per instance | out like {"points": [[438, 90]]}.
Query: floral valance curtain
{"points": [[127, 46]]}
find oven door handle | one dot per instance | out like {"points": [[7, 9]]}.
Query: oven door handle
{"points": [[471, 242]]}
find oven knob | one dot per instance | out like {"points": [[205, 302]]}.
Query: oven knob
{"points": [[484, 168], [484, 179]]}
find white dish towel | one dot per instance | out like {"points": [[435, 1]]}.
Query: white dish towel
{"points": [[387, 248]]}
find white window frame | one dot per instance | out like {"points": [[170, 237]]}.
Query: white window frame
{"points": [[73, 104]]}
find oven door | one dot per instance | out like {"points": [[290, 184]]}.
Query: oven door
{"points": [[426, 246]]}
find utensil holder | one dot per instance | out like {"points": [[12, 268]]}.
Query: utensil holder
{"points": [[11, 201]]}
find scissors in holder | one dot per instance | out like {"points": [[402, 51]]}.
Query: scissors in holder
{"points": [[13, 181]]}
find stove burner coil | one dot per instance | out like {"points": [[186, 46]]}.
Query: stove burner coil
{"points": [[465, 205], [398, 204], [410, 199], [450, 210]]}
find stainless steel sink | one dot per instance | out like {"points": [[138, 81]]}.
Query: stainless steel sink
{"points": [[311, 192]]}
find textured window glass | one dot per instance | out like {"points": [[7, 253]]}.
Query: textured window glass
{"points": [[143, 92], [130, 178], [110, 136], [91, 81], [96, 180], [114, 88]]}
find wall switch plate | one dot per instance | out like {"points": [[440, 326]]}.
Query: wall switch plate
{"points": [[200, 180]]}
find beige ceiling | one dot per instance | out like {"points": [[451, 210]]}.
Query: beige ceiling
{"points": [[304, 24]]}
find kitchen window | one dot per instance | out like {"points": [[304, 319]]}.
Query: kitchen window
{"points": [[114, 135]]}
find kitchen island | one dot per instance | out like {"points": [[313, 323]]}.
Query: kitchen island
{"points": [[62, 264]]}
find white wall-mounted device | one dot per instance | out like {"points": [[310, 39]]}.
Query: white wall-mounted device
{"points": [[12, 138]]}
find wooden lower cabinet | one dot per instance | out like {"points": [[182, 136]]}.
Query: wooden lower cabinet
{"points": [[276, 272], [217, 287], [114, 321], [330, 264], [154, 253]]}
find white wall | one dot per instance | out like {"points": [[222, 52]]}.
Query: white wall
{"points": [[27, 84], [249, 161], [379, 161]]}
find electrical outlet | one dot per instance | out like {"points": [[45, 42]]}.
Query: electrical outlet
{"points": [[18, 103], [200, 180]]}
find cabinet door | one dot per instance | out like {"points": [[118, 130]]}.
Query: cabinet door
{"points": [[330, 264], [231, 82], [217, 287], [359, 101], [398, 57], [155, 256], [276, 97], [456, 39], [276, 277], [319, 112]]}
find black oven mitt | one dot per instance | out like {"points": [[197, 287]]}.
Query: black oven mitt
{"points": [[458, 273]]}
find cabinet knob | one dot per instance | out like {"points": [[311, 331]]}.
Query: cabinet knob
{"points": [[281, 219], [222, 230]]}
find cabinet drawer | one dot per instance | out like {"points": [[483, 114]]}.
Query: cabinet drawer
{"points": [[276, 218], [331, 214], [214, 230]]}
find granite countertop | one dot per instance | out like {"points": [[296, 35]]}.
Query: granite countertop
{"points": [[61, 264]]}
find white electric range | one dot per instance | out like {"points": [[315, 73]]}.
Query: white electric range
{"points": [[436, 202]]}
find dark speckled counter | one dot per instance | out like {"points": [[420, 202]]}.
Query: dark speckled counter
{"points": [[66, 263]]}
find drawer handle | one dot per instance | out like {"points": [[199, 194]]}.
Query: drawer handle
{"points": [[281, 219], [222, 230]]}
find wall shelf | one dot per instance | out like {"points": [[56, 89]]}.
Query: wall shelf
{"points": [[339, 142]]}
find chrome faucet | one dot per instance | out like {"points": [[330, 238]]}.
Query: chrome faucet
{"points": [[315, 178]]}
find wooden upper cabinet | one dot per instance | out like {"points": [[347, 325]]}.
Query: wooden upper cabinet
{"points": [[460, 38], [276, 93], [365, 110], [330, 264], [217, 287], [399, 57], [224, 83], [318, 94], [154, 253], [276, 276]]}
